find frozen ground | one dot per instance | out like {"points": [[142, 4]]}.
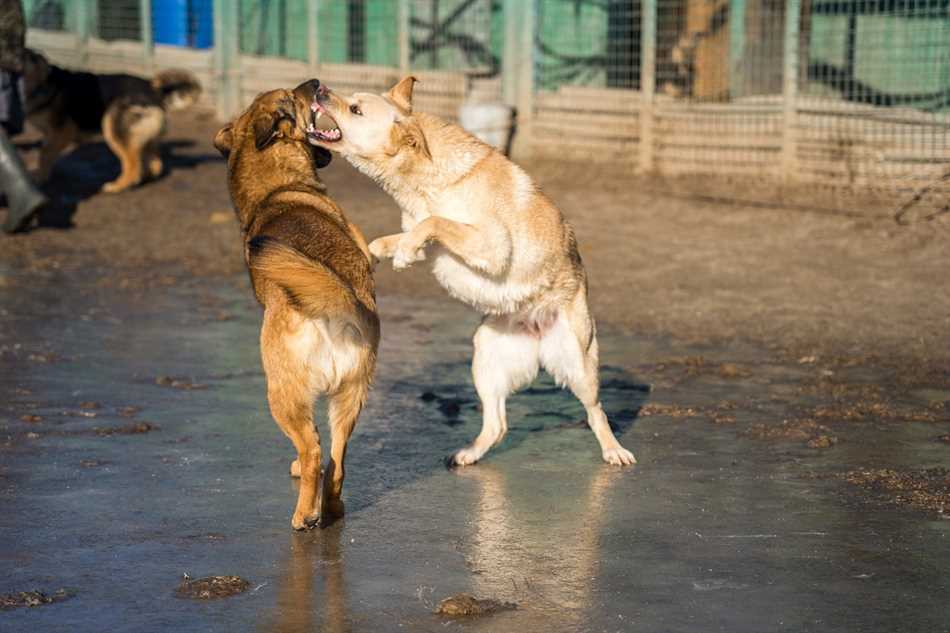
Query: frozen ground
{"points": [[782, 379]]}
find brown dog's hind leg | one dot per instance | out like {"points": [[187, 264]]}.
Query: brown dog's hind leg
{"points": [[294, 415], [344, 409], [128, 129], [153, 159], [290, 396]]}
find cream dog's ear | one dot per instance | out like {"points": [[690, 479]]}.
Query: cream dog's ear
{"points": [[401, 93], [407, 134]]}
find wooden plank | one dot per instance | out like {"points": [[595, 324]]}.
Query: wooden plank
{"points": [[601, 144], [678, 108], [576, 153], [43, 40], [715, 155], [848, 109], [590, 124], [554, 101], [767, 142], [725, 123], [622, 95], [259, 68], [678, 167], [630, 133]]}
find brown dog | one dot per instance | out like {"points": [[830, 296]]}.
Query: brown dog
{"points": [[311, 270]]}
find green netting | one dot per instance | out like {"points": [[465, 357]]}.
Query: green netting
{"points": [[50, 15], [879, 55], [365, 32]]}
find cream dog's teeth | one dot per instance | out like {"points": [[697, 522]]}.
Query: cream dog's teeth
{"points": [[319, 114]]}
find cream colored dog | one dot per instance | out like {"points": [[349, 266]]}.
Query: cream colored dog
{"points": [[497, 243]]}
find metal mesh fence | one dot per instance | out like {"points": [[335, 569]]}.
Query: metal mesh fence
{"points": [[455, 35], [588, 43], [362, 32], [49, 15], [273, 28], [117, 19]]}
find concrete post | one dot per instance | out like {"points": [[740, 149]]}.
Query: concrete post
{"points": [[790, 90], [404, 34], [145, 36], [227, 58], [517, 68], [647, 84], [83, 10], [313, 36], [737, 11]]}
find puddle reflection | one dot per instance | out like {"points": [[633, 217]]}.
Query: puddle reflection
{"points": [[313, 556], [541, 549]]}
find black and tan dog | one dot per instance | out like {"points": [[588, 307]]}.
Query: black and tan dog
{"points": [[70, 107], [311, 270]]}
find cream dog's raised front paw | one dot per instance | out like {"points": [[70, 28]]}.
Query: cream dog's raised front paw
{"points": [[409, 251], [385, 247]]}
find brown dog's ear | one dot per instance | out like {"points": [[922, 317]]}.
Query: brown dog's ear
{"points": [[224, 139], [268, 127], [265, 130], [401, 93]]}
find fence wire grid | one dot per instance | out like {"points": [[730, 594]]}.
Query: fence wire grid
{"points": [[849, 94]]}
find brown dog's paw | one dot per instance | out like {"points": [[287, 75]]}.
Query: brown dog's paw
{"points": [[114, 187], [302, 522]]}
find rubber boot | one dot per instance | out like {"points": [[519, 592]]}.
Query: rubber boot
{"points": [[24, 200]]}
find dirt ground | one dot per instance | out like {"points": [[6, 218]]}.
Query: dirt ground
{"points": [[810, 283]]}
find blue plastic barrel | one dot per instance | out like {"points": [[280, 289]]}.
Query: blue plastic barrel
{"points": [[202, 23], [170, 22], [183, 23]]}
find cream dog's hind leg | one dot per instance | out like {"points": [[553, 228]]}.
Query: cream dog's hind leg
{"points": [[505, 360], [568, 351]]}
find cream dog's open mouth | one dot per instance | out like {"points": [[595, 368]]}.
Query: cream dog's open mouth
{"points": [[322, 127]]}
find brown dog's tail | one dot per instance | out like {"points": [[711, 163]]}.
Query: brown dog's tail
{"points": [[311, 287], [178, 88]]}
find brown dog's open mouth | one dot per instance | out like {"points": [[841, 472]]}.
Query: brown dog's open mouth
{"points": [[322, 128]]}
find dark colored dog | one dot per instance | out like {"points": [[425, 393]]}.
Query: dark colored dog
{"points": [[312, 272], [129, 112]]}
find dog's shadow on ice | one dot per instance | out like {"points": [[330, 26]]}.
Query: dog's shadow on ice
{"points": [[430, 415], [80, 174]]}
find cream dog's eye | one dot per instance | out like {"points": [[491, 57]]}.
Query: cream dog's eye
{"points": [[355, 109]]}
